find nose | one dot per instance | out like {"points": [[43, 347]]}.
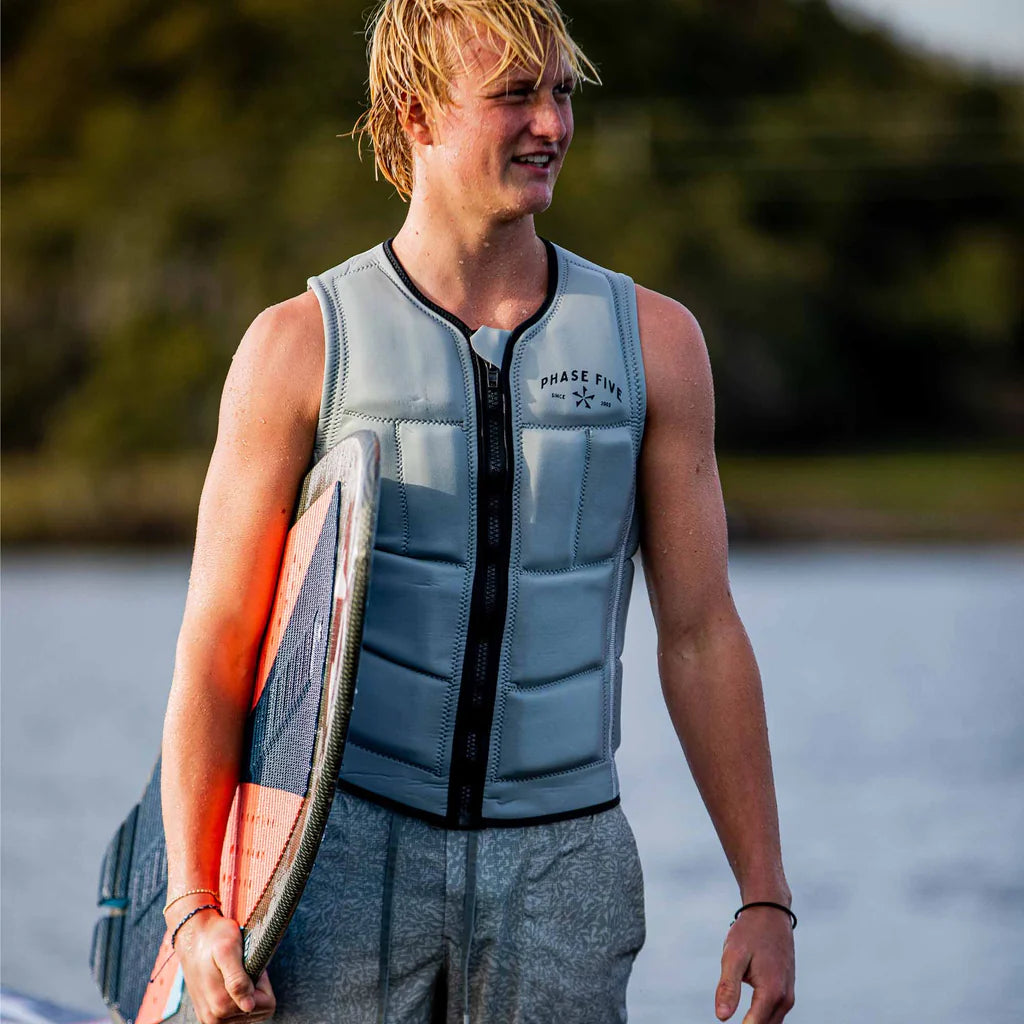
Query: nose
{"points": [[551, 118]]}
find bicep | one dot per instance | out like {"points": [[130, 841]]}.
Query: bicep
{"points": [[264, 441], [684, 542]]}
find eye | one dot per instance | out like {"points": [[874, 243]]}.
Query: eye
{"points": [[512, 94]]}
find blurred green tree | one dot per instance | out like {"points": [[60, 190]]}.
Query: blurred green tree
{"points": [[843, 216]]}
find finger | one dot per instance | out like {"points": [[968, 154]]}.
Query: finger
{"points": [[265, 998], [727, 995], [263, 985], [228, 959], [247, 1018], [783, 1007], [763, 1007], [266, 1004]]}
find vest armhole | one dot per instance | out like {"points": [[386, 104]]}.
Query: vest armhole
{"points": [[630, 332], [333, 369]]}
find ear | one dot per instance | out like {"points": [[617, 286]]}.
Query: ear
{"points": [[416, 122]]}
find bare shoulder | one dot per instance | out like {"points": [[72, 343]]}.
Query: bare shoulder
{"points": [[296, 313], [676, 365], [266, 428], [281, 356]]}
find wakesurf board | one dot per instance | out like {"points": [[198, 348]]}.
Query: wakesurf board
{"points": [[295, 736]]}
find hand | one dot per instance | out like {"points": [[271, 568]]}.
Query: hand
{"points": [[758, 950], [209, 948]]}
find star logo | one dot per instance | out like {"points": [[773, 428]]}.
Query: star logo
{"points": [[583, 399]]}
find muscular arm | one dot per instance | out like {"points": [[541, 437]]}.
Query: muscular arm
{"points": [[709, 676], [265, 436]]}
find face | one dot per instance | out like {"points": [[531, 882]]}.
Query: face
{"points": [[498, 148]]}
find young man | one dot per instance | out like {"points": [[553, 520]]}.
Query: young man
{"points": [[539, 417]]}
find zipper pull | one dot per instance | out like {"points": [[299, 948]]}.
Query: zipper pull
{"points": [[492, 376]]}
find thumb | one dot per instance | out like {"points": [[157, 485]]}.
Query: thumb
{"points": [[228, 959], [727, 995]]}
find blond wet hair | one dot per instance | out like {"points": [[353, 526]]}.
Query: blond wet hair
{"points": [[415, 48]]}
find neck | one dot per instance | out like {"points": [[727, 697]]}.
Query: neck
{"points": [[485, 272]]}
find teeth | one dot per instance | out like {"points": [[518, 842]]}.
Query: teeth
{"points": [[541, 161]]}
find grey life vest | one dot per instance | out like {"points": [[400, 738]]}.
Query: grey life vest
{"points": [[490, 677]]}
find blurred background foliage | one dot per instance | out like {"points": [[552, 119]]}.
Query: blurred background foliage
{"points": [[843, 215]]}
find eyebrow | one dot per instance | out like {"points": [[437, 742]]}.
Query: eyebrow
{"points": [[523, 78]]}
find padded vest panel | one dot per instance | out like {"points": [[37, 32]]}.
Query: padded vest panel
{"points": [[400, 368]]}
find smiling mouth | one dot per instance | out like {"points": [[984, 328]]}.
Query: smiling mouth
{"points": [[534, 159]]}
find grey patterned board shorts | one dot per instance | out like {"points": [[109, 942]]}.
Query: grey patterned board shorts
{"points": [[403, 922]]}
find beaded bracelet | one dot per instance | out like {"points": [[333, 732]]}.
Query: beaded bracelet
{"points": [[765, 903], [189, 892], [188, 917]]}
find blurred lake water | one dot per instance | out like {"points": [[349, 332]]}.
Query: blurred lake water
{"points": [[893, 681]]}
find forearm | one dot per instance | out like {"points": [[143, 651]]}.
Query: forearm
{"points": [[712, 689], [202, 745]]}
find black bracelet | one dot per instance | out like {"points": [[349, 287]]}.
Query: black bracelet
{"points": [[765, 903], [188, 917]]}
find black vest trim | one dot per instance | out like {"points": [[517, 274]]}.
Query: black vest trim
{"points": [[441, 821]]}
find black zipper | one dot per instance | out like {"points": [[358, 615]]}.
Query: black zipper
{"points": [[489, 600], [490, 595]]}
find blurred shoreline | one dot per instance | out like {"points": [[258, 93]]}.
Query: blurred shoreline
{"points": [[956, 496]]}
